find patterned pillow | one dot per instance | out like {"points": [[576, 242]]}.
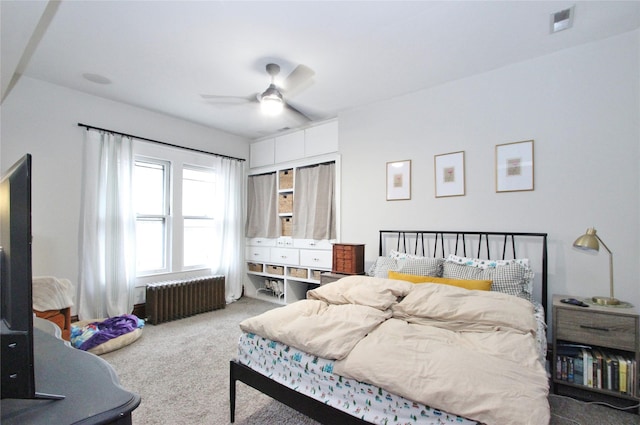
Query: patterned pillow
{"points": [[382, 266], [423, 266], [509, 279], [485, 264]]}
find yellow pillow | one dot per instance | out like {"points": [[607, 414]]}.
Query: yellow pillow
{"points": [[481, 285]]}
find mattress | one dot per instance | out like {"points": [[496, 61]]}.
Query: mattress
{"points": [[314, 377]]}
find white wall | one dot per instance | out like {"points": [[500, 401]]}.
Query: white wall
{"points": [[41, 119], [581, 106]]}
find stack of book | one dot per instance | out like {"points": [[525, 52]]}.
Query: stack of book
{"points": [[597, 368]]}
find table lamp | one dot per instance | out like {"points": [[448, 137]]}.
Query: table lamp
{"points": [[590, 241]]}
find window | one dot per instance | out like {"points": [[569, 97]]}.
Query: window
{"points": [[198, 210], [175, 215], [152, 206]]}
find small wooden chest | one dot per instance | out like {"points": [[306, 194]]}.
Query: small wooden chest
{"points": [[348, 258]]}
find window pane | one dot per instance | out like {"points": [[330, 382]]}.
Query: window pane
{"points": [[149, 188], [150, 243], [198, 241], [198, 189]]}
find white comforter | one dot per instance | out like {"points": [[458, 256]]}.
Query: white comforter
{"points": [[472, 353]]}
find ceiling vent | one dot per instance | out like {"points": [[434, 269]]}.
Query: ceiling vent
{"points": [[562, 20]]}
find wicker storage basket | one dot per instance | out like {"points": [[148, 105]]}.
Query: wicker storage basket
{"points": [[285, 203], [285, 177], [287, 226], [315, 274], [254, 267], [279, 270], [296, 272]]}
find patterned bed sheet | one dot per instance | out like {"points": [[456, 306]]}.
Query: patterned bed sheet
{"points": [[314, 377]]}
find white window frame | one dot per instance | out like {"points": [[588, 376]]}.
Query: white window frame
{"points": [[183, 217], [166, 216], [178, 158]]}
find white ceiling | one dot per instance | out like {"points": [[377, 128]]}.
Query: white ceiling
{"points": [[164, 55]]}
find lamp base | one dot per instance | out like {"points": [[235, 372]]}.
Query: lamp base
{"points": [[605, 300]]}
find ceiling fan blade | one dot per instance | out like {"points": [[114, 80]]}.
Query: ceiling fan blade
{"points": [[299, 79]]}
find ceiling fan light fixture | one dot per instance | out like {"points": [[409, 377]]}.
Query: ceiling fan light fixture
{"points": [[271, 102]]}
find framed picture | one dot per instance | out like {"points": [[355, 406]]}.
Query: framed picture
{"points": [[514, 166], [398, 180], [449, 174]]}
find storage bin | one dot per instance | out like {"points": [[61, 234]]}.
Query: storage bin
{"points": [[287, 226], [315, 274], [279, 270], [297, 272], [285, 178], [255, 267], [285, 203]]}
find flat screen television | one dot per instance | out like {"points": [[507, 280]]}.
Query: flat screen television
{"points": [[16, 303]]}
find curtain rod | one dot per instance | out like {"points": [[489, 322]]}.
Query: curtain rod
{"points": [[89, 127]]}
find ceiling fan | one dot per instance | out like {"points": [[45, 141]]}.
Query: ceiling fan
{"points": [[275, 99]]}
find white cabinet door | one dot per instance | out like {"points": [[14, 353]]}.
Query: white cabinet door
{"points": [[289, 147], [258, 254], [261, 153], [321, 139], [285, 256], [316, 259]]}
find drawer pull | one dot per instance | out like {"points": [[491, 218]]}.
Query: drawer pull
{"points": [[595, 328]]}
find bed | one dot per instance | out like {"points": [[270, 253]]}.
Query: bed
{"points": [[322, 370]]}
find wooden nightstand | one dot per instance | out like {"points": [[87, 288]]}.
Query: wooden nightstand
{"points": [[596, 353], [348, 258], [329, 277]]}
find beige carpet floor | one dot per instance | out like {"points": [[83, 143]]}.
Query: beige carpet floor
{"points": [[181, 371]]}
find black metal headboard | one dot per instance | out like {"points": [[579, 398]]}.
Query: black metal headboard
{"points": [[439, 243]]}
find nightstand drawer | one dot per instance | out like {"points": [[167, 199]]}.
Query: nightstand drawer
{"points": [[602, 329]]}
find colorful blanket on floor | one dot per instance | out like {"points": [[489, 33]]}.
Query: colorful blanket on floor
{"points": [[96, 333]]}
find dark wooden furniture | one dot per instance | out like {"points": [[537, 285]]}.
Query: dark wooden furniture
{"points": [[61, 317], [348, 258], [610, 330], [92, 393], [406, 241]]}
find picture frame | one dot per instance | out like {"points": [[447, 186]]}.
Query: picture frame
{"points": [[399, 180], [449, 174], [514, 166]]}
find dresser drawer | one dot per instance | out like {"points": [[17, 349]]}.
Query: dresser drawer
{"points": [[285, 256], [258, 254], [602, 329], [312, 244], [261, 242], [315, 259]]}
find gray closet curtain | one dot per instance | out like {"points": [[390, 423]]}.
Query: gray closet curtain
{"points": [[262, 206], [314, 205]]}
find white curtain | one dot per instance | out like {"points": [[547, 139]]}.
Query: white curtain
{"points": [[229, 250], [107, 227]]}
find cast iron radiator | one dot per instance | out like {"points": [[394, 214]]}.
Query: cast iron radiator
{"points": [[172, 300]]}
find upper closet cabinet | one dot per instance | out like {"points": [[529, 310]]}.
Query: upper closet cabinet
{"points": [[317, 140], [289, 147], [261, 153], [321, 139]]}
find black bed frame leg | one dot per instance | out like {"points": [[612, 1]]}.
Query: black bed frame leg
{"points": [[232, 392]]}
